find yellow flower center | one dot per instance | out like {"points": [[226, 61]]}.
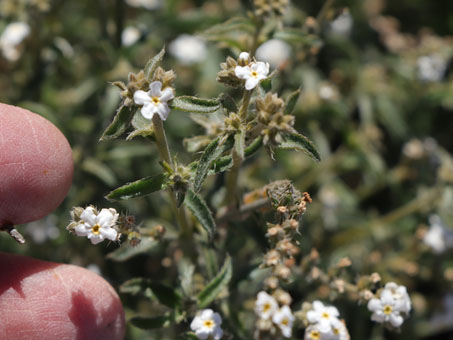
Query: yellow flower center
{"points": [[325, 315], [266, 307], [254, 74], [285, 322], [388, 310], [209, 323], [336, 331], [315, 335], [95, 229], [155, 100]]}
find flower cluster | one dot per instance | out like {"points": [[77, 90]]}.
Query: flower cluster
{"points": [[96, 226], [324, 323], [268, 7], [392, 305], [245, 71], [206, 324], [271, 315]]}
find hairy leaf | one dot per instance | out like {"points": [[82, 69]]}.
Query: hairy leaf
{"points": [[142, 187], [291, 101], [212, 152], [164, 294], [200, 210], [195, 104], [119, 124], [152, 64], [217, 284], [299, 142], [126, 251]]}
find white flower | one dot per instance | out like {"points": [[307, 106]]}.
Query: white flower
{"points": [[276, 52], [148, 4], [265, 306], [324, 316], [312, 333], [154, 101], [188, 49], [130, 36], [400, 294], [284, 319], [328, 92], [438, 237], [431, 68], [339, 331], [97, 226], [387, 309], [252, 73], [11, 37], [207, 324]]}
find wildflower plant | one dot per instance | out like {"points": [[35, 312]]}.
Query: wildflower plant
{"points": [[271, 177]]}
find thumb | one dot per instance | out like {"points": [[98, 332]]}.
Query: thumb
{"points": [[45, 300]]}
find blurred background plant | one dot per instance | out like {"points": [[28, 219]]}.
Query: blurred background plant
{"points": [[376, 98]]}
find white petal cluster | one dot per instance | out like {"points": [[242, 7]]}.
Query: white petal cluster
{"points": [[268, 310], [11, 38], [252, 73], [154, 101], [439, 238], [188, 49], [97, 226], [274, 51], [392, 305], [431, 68], [325, 323], [207, 325]]}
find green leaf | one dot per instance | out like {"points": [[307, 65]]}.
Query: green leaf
{"points": [[239, 141], [119, 124], [190, 336], [126, 251], [291, 101], [228, 102], [241, 24], [142, 126], [150, 322], [144, 186], [217, 284], [299, 142], [152, 64], [200, 210], [266, 84], [164, 294], [195, 104], [213, 151]]}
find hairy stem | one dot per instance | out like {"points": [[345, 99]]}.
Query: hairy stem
{"points": [[164, 153], [13, 232]]}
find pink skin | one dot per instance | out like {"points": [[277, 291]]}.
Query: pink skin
{"points": [[43, 300], [36, 166]]}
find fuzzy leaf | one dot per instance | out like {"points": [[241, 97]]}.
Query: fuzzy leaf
{"points": [[217, 284], [212, 152], [164, 294], [153, 63], [239, 141], [126, 251], [200, 210], [119, 124], [228, 102], [195, 104], [291, 101], [142, 126], [150, 322], [299, 142], [138, 188]]}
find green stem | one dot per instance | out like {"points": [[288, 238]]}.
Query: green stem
{"points": [[164, 153]]}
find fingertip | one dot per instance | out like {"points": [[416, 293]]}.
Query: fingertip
{"points": [[56, 301]]}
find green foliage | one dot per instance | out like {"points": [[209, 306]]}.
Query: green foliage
{"points": [[141, 187], [299, 142], [120, 123], [200, 210], [216, 285], [195, 105]]}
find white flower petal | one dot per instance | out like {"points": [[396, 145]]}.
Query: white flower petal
{"points": [[242, 72], [89, 216], [95, 239], [141, 97], [109, 233], [374, 305], [154, 89], [251, 83], [202, 334], [80, 230], [396, 320], [163, 111], [105, 218], [167, 94], [218, 333], [148, 110]]}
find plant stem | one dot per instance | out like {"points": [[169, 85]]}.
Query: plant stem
{"points": [[9, 228], [164, 153]]}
